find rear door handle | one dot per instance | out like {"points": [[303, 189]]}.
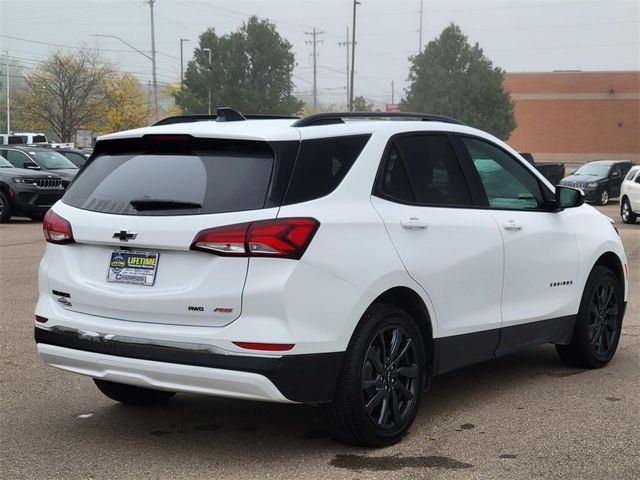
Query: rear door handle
{"points": [[512, 225], [413, 224]]}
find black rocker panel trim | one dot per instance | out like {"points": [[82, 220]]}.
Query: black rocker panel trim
{"points": [[451, 353], [308, 378]]}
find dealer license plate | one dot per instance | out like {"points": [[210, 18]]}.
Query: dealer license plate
{"points": [[134, 268]]}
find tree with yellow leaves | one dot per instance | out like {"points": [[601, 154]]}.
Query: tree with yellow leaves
{"points": [[71, 91], [123, 106]]}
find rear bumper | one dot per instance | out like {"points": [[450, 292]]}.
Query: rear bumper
{"points": [[309, 378]]}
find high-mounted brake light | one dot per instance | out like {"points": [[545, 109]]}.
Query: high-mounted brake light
{"points": [[56, 229], [282, 237], [168, 138]]}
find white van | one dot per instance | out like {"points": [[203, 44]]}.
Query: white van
{"points": [[6, 139], [31, 138]]}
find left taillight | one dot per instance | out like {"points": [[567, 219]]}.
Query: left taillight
{"points": [[56, 229], [282, 238]]}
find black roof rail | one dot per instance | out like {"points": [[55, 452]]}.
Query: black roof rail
{"points": [[223, 114], [332, 118]]}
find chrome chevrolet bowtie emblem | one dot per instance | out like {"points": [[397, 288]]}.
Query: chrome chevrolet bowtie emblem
{"points": [[124, 236]]}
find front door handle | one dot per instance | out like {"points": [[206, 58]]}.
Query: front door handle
{"points": [[413, 224], [512, 225]]}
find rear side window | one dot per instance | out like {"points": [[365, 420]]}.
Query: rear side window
{"points": [[174, 182], [321, 165], [424, 169]]}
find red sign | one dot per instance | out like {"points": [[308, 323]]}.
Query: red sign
{"points": [[393, 107]]}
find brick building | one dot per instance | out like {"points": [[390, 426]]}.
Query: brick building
{"points": [[576, 116]]}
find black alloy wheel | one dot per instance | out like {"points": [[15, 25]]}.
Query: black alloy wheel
{"points": [[389, 377], [603, 320], [598, 323], [382, 379]]}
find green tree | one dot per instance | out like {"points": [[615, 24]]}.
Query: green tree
{"points": [[360, 104], [251, 70], [451, 77]]}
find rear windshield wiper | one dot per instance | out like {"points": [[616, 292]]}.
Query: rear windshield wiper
{"points": [[159, 204]]}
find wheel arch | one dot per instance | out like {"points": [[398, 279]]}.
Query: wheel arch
{"points": [[410, 301], [613, 263]]}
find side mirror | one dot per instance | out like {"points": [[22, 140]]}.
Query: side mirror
{"points": [[567, 197], [30, 166], [615, 174]]}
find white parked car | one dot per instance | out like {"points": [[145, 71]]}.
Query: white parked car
{"points": [[630, 196], [324, 260]]}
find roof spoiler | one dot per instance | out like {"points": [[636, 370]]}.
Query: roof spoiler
{"points": [[223, 114]]}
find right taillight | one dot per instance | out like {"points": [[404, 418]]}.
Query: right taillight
{"points": [[282, 237], [56, 229]]}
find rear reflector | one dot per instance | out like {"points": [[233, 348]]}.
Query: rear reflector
{"points": [[268, 347], [56, 229], [282, 237], [40, 319]]}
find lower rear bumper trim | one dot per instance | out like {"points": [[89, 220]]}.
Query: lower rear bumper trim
{"points": [[309, 378]]}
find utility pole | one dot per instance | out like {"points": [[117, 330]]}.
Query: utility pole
{"points": [[153, 60], [353, 54], [347, 44], [8, 107], [420, 46], [182, 40], [393, 92], [315, 41]]}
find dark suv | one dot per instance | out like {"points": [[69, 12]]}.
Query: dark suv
{"points": [[600, 180], [38, 158], [25, 192]]}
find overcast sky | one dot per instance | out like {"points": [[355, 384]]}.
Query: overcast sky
{"points": [[517, 35]]}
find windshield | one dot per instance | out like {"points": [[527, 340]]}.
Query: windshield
{"points": [[52, 160], [4, 163], [595, 169]]}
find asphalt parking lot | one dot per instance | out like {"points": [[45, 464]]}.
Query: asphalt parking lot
{"points": [[523, 416]]}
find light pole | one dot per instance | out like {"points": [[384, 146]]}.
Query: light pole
{"points": [[182, 40], [153, 65], [8, 107], [353, 53], [209, 82]]}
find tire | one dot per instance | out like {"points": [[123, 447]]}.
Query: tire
{"points": [[604, 197], [377, 398], [5, 208], [132, 395], [626, 213], [597, 330]]}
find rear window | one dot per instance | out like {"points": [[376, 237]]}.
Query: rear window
{"points": [[174, 182], [321, 165]]}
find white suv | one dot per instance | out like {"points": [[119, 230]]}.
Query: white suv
{"points": [[324, 260], [630, 196]]}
